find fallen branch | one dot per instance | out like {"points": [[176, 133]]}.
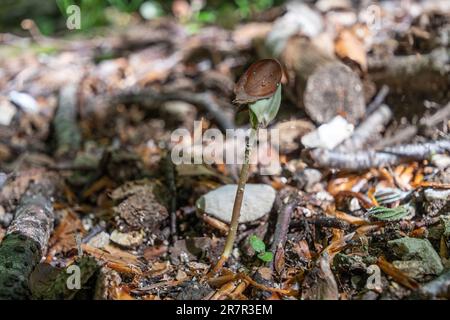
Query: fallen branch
{"points": [[58, 288], [362, 160], [26, 238], [204, 101], [419, 151]]}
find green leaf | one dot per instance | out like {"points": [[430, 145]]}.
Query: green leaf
{"points": [[253, 119], [257, 244], [206, 17], [388, 214], [266, 110], [266, 256]]}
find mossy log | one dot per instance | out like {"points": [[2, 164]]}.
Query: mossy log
{"points": [[26, 239], [57, 288]]}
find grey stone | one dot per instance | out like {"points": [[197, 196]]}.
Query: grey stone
{"points": [[128, 240], [101, 240], [418, 257], [258, 201]]}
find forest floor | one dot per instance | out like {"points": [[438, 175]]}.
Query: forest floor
{"points": [[356, 205]]}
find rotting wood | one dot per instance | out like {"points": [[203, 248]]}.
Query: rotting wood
{"points": [[66, 130], [26, 238]]}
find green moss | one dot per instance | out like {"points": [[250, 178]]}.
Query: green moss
{"points": [[18, 256]]}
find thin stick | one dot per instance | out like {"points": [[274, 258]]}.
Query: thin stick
{"points": [[283, 223], [237, 205]]}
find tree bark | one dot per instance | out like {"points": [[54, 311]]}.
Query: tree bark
{"points": [[26, 239]]}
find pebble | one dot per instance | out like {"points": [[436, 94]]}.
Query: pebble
{"points": [[7, 112], [258, 201], [418, 257], [100, 241], [436, 194], [128, 240], [329, 135], [441, 161], [25, 101]]}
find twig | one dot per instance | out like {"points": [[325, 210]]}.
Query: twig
{"points": [[440, 116], [367, 130], [420, 151], [378, 100], [288, 203], [330, 222], [359, 160], [400, 136], [169, 173], [396, 274]]}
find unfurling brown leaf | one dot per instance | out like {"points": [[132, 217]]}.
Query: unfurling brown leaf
{"points": [[260, 81]]}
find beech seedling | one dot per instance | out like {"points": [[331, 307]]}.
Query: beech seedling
{"points": [[260, 89]]}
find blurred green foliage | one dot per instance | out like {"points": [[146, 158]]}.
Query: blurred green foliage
{"points": [[50, 15]]}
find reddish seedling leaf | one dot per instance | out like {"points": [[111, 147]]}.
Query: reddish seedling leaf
{"points": [[260, 81]]}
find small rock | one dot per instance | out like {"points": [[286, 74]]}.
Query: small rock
{"points": [[191, 249], [179, 110], [5, 218], [25, 101], [181, 275], [192, 290], [307, 178], [413, 268], [7, 112], [418, 258], [441, 161], [446, 223], [437, 194], [3, 179], [349, 263], [354, 205], [329, 5], [329, 135], [101, 240], [128, 240], [258, 201]]}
